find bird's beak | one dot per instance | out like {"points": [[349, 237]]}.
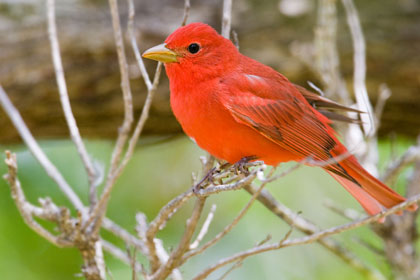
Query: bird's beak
{"points": [[161, 53]]}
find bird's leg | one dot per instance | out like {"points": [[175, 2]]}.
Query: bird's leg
{"points": [[208, 177], [241, 167]]}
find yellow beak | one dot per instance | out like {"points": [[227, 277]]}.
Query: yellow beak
{"points": [[161, 53]]}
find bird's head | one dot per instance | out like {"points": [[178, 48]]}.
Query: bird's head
{"points": [[194, 47]]}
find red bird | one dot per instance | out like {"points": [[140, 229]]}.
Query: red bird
{"points": [[235, 107]]}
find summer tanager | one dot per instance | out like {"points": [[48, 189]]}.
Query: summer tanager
{"points": [[235, 107]]}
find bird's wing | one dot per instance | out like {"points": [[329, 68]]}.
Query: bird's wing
{"points": [[289, 122], [290, 125], [327, 107]]}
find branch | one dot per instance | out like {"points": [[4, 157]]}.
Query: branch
{"points": [[227, 18], [100, 208], [308, 239], [65, 102], [309, 228], [26, 209], [176, 256], [36, 150], [409, 157], [187, 7], [204, 228], [359, 74]]}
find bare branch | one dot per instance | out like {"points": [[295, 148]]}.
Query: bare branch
{"points": [[99, 211], [409, 157], [183, 245], [121, 255], [309, 238], [128, 103], [384, 94], [124, 235], [131, 33], [229, 227], [309, 228], [36, 150], [227, 18], [359, 75], [347, 213], [25, 208], [163, 257], [204, 228], [187, 7], [65, 102]]}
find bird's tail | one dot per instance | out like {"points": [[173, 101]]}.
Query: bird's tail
{"points": [[372, 194]]}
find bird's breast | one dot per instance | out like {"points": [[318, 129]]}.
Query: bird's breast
{"points": [[205, 118]]}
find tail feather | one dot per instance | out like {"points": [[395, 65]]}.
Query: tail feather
{"points": [[385, 195], [371, 193], [370, 204]]}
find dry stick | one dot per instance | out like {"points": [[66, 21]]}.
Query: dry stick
{"points": [[204, 228], [307, 227], [25, 208], [163, 257], [97, 213], [232, 268], [124, 235], [163, 215], [187, 7], [183, 245], [100, 208], [36, 150], [409, 157], [65, 102], [309, 238], [227, 18], [131, 33], [52, 171], [327, 63], [118, 253], [384, 94], [166, 213], [126, 90], [235, 221], [359, 74]]}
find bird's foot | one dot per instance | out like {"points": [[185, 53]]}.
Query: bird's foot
{"points": [[208, 178], [241, 166]]}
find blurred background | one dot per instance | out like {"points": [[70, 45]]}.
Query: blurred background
{"points": [[163, 162]]}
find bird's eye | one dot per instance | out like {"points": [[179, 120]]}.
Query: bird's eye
{"points": [[193, 48]]}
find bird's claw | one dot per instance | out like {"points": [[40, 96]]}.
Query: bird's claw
{"points": [[241, 165], [207, 178]]}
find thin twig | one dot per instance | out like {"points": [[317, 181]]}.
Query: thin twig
{"points": [[163, 256], [187, 7], [384, 94], [359, 74], [65, 102], [134, 46], [164, 214], [229, 227], [309, 238], [183, 245], [204, 228], [36, 150], [124, 235], [25, 208], [409, 157], [347, 213], [121, 255], [227, 18], [309, 228], [100, 208]]}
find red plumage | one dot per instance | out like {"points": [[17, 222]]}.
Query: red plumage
{"points": [[234, 107]]}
